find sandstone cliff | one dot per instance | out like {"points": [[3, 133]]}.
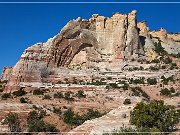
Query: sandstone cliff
{"points": [[97, 44], [6, 73]]}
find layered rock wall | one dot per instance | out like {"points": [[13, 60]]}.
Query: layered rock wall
{"points": [[6, 73], [98, 43]]}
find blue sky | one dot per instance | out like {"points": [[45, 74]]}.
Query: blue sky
{"points": [[22, 25]]}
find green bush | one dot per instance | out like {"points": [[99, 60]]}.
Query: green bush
{"points": [[19, 93], [166, 80], [6, 95], [137, 91], [109, 78], [71, 118], [153, 68], [1, 89], [127, 101], [137, 81], [58, 95], [159, 49], [23, 100], [167, 60], [165, 92], [41, 126], [57, 111], [92, 114], [113, 85], [155, 61], [152, 81], [5, 81], [107, 87], [68, 116], [173, 66], [38, 92], [13, 122], [68, 96], [35, 122], [172, 90], [80, 94], [98, 83], [155, 115], [125, 86]]}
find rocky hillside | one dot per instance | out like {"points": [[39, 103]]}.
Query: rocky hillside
{"points": [[100, 43], [97, 68]]}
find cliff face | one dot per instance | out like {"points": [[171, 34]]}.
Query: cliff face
{"points": [[6, 73], [98, 43]]}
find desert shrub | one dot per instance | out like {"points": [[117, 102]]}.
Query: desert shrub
{"points": [[172, 90], [107, 87], [137, 81], [80, 94], [155, 115], [166, 80], [47, 96], [23, 100], [109, 78], [125, 86], [5, 81], [38, 92], [74, 81], [169, 92], [155, 61], [137, 91], [19, 93], [165, 92], [72, 118], [159, 49], [57, 111], [13, 122], [135, 68], [92, 114], [58, 95], [68, 96], [98, 83], [127, 101], [41, 126], [152, 81], [68, 116], [1, 88], [163, 67], [173, 66], [167, 60], [5, 96], [35, 115], [153, 68], [35, 122], [113, 85]]}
